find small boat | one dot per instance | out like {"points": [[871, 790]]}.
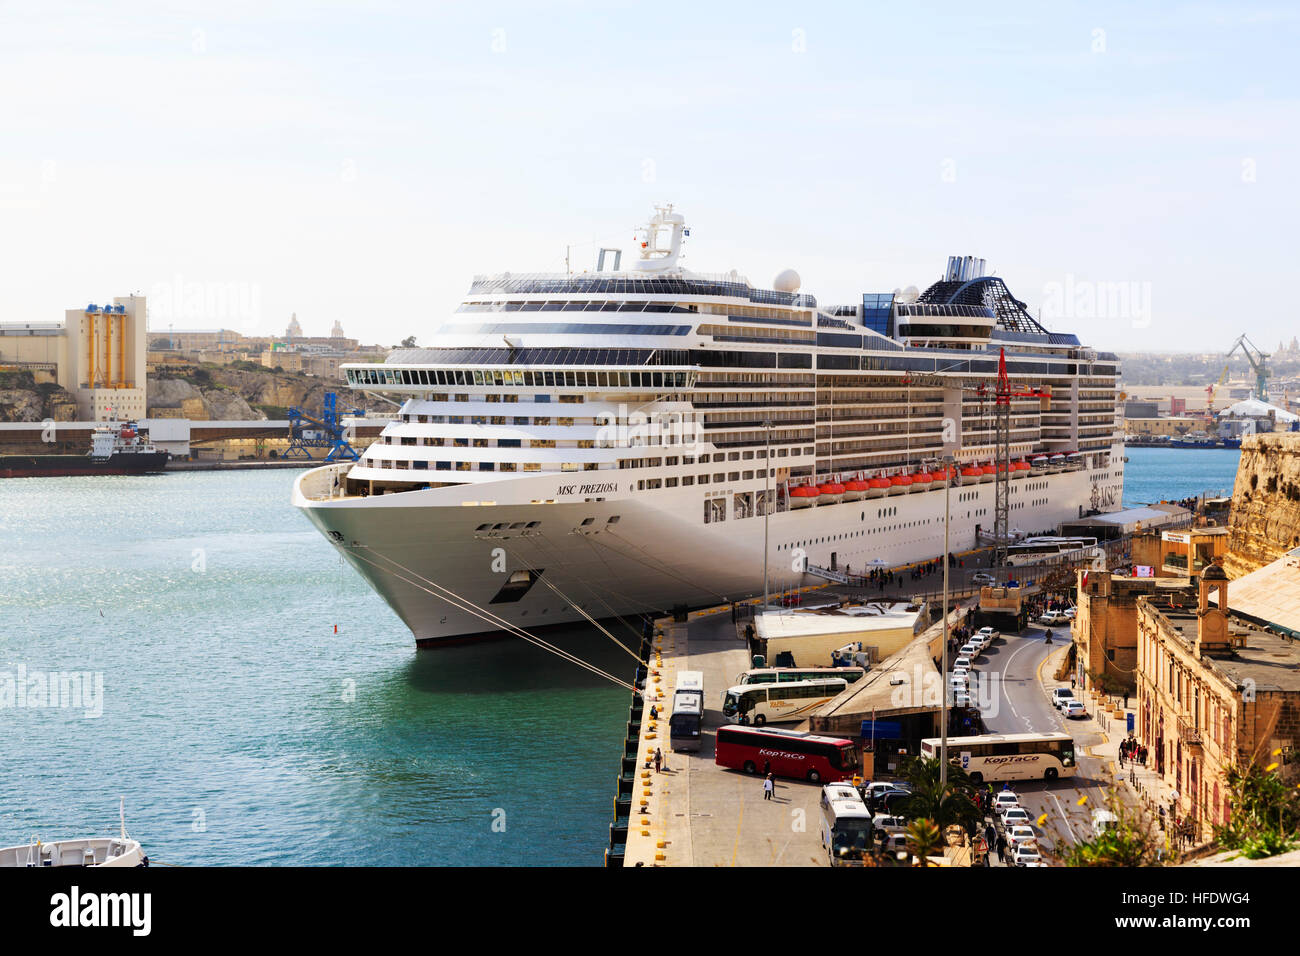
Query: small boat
{"points": [[1020, 469], [1074, 461], [939, 478], [971, 474], [93, 851], [900, 484], [1056, 463], [830, 493], [988, 473], [921, 481], [878, 487], [1038, 465], [855, 489], [804, 496]]}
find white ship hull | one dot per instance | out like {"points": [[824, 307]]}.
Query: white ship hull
{"points": [[659, 554]]}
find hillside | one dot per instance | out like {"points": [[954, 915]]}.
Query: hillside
{"points": [[241, 392]]}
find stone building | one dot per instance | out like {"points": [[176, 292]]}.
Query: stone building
{"points": [[1105, 626], [1214, 691]]}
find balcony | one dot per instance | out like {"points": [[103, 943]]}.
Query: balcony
{"points": [[1189, 733]]}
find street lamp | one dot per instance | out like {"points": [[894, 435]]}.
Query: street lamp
{"points": [[949, 463]]}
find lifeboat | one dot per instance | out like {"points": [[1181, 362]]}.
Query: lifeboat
{"points": [[1056, 463], [804, 496], [1019, 469], [855, 490], [830, 493], [1038, 465], [988, 473], [939, 478], [971, 474], [877, 487], [1074, 461], [921, 481], [900, 484]]}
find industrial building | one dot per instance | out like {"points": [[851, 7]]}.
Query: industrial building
{"points": [[97, 353]]}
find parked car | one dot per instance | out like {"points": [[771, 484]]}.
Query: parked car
{"points": [[961, 663], [1021, 833], [1004, 800], [971, 650], [1073, 709], [1053, 619], [1014, 816], [883, 824], [1025, 854], [1070, 612], [1060, 695], [961, 698], [878, 787], [983, 577]]}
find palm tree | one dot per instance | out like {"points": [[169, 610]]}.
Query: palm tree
{"points": [[923, 839], [941, 803]]}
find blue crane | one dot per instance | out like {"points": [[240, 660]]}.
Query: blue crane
{"points": [[326, 431]]}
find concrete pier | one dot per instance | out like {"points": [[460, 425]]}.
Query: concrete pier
{"points": [[697, 813]]}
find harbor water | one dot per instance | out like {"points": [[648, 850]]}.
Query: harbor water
{"points": [[241, 729]]}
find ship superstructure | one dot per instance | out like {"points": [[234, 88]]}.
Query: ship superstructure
{"points": [[614, 439]]}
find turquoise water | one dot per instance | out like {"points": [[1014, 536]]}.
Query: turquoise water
{"points": [[241, 729], [1164, 474]]}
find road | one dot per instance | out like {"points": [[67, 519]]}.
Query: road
{"points": [[1020, 705]]}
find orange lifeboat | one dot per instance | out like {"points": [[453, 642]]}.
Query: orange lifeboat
{"points": [[921, 481], [971, 474], [988, 473], [804, 496], [855, 490], [900, 484], [877, 487], [939, 478], [830, 493], [1019, 469]]}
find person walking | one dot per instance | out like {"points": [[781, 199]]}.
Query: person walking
{"points": [[1002, 848], [659, 760], [769, 785]]}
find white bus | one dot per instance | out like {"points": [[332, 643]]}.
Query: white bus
{"points": [[846, 823], [993, 758], [1034, 550], [782, 675], [778, 703], [688, 711]]}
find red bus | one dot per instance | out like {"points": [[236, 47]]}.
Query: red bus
{"points": [[790, 753]]}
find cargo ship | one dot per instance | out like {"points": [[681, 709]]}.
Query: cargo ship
{"points": [[115, 449]]}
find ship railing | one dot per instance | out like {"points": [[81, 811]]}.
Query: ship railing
{"points": [[326, 483]]}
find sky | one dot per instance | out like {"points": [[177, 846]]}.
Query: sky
{"points": [[1129, 170]]}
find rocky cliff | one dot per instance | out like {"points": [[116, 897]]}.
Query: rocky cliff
{"points": [[1265, 518], [207, 393], [22, 400]]}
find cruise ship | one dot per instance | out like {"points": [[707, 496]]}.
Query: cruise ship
{"points": [[619, 441]]}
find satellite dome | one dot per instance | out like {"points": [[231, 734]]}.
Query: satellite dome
{"points": [[787, 281], [910, 294]]}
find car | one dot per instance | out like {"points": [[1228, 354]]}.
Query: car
{"points": [[988, 635], [1013, 816], [1073, 709], [970, 650], [1103, 820], [983, 577], [961, 698], [1021, 833], [1005, 799], [961, 663], [1025, 855], [1053, 619], [887, 823], [1070, 612], [1060, 695], [877, 787]]}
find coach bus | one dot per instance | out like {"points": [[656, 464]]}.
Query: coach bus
{"points": [[847, 831], [781, 702], [1035, 550], [782, 675], [688, 711], [787, 753], [993, 758]]}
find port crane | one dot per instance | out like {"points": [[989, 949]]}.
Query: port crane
{"points": [[324, 431], [1258, 361]]}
